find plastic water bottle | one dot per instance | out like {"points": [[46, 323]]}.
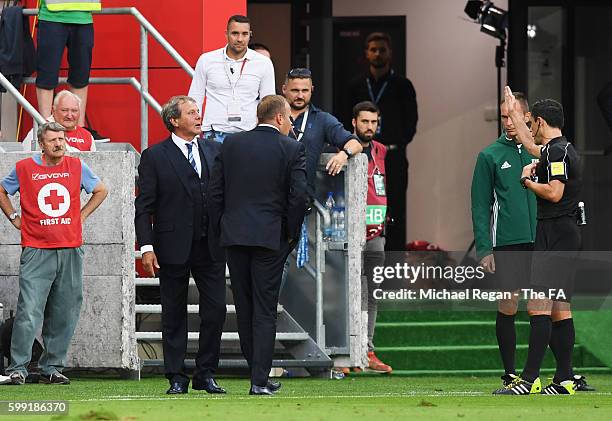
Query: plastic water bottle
{"points": [[328, 229], [335, 224], [581, 214], [339, 233]]}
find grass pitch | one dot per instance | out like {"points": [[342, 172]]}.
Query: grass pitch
{"points": [[361, 397]]}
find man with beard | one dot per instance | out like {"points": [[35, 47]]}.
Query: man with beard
{"points": [[394, 95], [232, 79], [365, 122], [316, 127]]}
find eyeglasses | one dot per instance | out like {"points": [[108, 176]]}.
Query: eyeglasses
{"points": [[299, 72]]}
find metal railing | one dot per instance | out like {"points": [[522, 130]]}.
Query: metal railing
{"points": [[142, 87], [38, 119], [323, 219]]}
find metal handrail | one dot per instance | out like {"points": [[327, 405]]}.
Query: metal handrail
{"points": [[132, 81], [147, 26], [143, 86], [322, 214], [36, 116]]}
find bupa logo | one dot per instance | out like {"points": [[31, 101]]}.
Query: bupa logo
{"points": [[37, 176]]}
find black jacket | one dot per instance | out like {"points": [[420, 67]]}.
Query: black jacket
{"points": [[257, 192], [170, 198], [17, 54], [398, 106]]}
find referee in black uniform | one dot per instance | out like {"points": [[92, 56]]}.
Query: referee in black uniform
{"points": [[556, 181]]}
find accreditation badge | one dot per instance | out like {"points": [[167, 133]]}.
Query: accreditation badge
{"points": [[233, 111], [379, 184], [376, 214]]}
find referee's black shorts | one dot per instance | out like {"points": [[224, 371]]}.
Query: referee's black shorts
{"points": [[512, 266], [558, 242]]}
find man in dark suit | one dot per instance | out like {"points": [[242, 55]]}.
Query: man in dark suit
{"points": [[257, 201], [172, 230]]}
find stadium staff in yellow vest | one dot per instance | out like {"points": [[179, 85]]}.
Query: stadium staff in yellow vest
{"points": [[51, 266], [64, 24]]}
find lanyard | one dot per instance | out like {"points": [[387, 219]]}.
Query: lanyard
{"points": [[380, 93], [376, 169], [303, 126], [229, 77]]}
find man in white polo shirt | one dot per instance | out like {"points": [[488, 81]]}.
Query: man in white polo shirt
{"points": [[232, 79]]}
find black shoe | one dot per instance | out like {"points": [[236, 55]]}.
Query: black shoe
{"points": [[177, 388], [273, 386], [260, 390], [55, 378], [581, 384], [209, 384], [508, 378]]}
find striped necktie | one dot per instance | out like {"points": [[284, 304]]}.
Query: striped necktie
{"points": [[190, 156]]}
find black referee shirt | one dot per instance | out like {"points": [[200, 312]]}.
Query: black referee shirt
{"points": [[559, 161]]}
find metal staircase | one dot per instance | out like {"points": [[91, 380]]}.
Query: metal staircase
{"points": [[295, 348]]}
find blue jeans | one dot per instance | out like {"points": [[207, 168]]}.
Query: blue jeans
{"points": [[50, 294], [215, 135]]}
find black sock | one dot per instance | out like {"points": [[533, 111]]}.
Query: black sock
{"points": [[562, 345], [506, 340], [539, 336]]}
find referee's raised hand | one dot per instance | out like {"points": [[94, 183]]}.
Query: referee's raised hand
{"points": [[513, 104]]}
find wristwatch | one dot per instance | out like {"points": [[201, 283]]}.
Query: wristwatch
{"points": [[348, 152], [523, 179], [13, 216]]}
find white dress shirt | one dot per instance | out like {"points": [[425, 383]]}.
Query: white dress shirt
{"points": [[182, 145], [221, 80]]}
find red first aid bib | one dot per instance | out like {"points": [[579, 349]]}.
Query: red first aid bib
{"points": [[50, 203]]}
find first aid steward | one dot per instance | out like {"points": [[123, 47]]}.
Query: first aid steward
{"points": [[51, 265]]}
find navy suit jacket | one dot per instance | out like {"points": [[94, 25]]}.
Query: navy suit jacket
{"points": [[257, 191], [169, 204]]}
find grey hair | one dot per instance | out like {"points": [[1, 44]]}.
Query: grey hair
{"points": [[172, 110], [65, 93], [51, 126]]}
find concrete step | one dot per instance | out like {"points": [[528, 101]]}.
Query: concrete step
{"points": [[191, 308], [477, 332], [225, 336], [467, 357]]}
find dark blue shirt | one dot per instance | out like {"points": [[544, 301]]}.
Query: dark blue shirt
{"points": [[321, 128]]}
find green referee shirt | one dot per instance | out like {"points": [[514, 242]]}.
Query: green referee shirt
{"points": [[75, 17]]}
